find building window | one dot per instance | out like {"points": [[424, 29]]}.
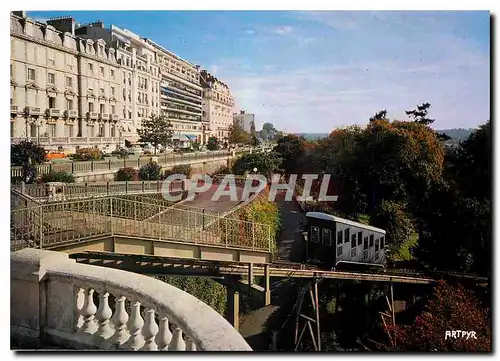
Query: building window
{"points": [[101, 130], [326, 237], [91, 68], [124, 78], [11, 71], [31, 74], [112, 73], [315, 234], [101, 91], [112, 131], [91, 107], [113, 91], [113, 108], [69, 104], [51, 128], [11, 129], [52, 102], [101, 108], [101, 69], [69, 82], [68, 130], [33, 130], [130, 114]]}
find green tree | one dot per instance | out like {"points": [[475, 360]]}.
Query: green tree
{"points": [[237, 135], [265, 163], [419, 114], [58, 177], [381, 114], [213, 143], [268, 132], [290, 148], [156, 130], [24, 152], [150, 171], [395, 219]]}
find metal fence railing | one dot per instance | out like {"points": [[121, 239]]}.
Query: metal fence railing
{"points": [[48, 224], [115, 164]]}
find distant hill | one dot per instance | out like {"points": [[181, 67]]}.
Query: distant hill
{"points": [[457, 134], [313, 136]]}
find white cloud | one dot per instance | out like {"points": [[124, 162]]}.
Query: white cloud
{"points": [[283, 30]]}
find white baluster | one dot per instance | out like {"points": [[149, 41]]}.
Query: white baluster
{"points": [[190, 346], [149, 331], [88, 310], [177, 343], [135, 323], [164, 335], [120, 319], [103, 314], [80, 300]]}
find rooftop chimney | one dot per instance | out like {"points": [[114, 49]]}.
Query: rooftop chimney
{"points": [[64, 24]]}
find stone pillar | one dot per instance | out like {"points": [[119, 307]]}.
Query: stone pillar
{"points": [[31, 313], [84, 128], [233, 307]]}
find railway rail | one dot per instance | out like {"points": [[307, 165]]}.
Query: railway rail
{"points": [[156, 265]]}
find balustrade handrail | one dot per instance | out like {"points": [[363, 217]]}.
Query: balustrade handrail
{"points": [[202, 325]]}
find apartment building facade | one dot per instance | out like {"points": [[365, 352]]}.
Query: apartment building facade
{"points": [[63, 88], [245, 120], [75, 86], [218, 104]]}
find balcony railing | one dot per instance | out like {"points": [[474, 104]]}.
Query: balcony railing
{"points": [[65, 140], [105, 116], [114, 117], [34, 111], [54, 112], [93, 115], [73, 113], [13, 109], [173, 319]]}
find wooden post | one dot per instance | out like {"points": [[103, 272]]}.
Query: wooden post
{"points": [[267, 286], [250, 276], [393, 315], [233, 307]]}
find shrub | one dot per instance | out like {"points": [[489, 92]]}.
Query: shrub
{"points": [[57, 177], [86, 154], [150, 171], [127, 174], [23, 151], [180, 169], [213, 143]]}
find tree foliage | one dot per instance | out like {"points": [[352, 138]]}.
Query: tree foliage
{"points": [[290, 148], [57, 177], [156, 130], [450, 308], [213, 143], [420, 113], [179, 169], [86, 154], [394, 217], [150, 171], [127, 174], [268, 132], [26, 152], [381, 114], [265, 163], [237, 134]]}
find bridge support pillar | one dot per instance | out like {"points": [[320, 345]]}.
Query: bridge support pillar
{"points": [[267, 286], [233, 307]]}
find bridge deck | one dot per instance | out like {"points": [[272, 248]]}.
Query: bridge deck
{"points": [[156, 265]]}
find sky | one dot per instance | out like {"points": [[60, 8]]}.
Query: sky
{"points": [[313, 71]]}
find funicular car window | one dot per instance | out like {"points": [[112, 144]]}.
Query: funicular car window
{"points": [[315, 234], [353, 241], [346, 235], [365, 243], [376, 245], [371, 240], [360, 238], [339, 237], [381, 242], [326, 237]]}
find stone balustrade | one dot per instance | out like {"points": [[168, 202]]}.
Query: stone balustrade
{"points": [[56, 301]]}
